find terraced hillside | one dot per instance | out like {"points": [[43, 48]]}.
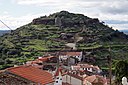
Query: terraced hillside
{"points": [[55, 32]]}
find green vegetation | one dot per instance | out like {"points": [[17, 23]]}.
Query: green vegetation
{"points": [[43, 35], [121, 70]]}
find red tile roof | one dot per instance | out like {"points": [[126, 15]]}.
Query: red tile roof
{"points": [[96, 79], [44, 58], [71, 53], [87, 66], [33, 74], [40, 60]]}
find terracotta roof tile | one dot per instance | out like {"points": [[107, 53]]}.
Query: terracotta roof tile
{"points": [[33, 74], [71, 53], [45, 58], [88, 66], [74, 53], [40, 60], [96, 79]]}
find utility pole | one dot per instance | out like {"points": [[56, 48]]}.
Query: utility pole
{"points": [[110, 65], [58, 62]]}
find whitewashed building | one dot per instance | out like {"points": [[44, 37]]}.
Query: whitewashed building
{"points": [[66, 55], [86, 67]]}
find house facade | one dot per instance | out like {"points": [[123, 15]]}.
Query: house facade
{"points": [[66, 55], [77, 79], [86, 67]]}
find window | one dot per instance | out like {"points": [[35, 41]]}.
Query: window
{"points": [[56, 81]]}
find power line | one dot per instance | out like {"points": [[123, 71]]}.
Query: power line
{"points": [[5, 24]]}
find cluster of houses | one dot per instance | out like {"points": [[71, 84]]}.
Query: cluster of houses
{"points": [[52, 70]]}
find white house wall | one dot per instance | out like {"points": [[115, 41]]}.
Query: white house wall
{"points": [[72, 80], [64, 57], [75, 81]]}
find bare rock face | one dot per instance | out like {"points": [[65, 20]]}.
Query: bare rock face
{"points": [[72, 45]]}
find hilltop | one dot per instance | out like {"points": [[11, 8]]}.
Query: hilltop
{"points": [[58, 32]]}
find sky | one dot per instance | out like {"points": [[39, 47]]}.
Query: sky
{"points": [[16, 13]]}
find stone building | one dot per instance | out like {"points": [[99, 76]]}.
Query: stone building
{"points": [[58, 21]]}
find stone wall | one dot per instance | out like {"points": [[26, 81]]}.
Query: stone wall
{"points": [[44, 21]]}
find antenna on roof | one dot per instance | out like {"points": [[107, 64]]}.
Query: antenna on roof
{"points": [[5, 25]]}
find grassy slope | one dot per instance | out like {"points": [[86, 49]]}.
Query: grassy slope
{"points": [[31, 40]]}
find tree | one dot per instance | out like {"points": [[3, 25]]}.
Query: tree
{"points": [[121, 70]]}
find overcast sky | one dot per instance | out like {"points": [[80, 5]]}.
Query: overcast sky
{"points": [[16, 13]]}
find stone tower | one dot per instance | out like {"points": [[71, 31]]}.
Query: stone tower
{"points": [[58, 21]]}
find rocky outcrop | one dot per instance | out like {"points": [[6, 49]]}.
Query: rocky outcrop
{"points": [[44, 21], [92, 21]]}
